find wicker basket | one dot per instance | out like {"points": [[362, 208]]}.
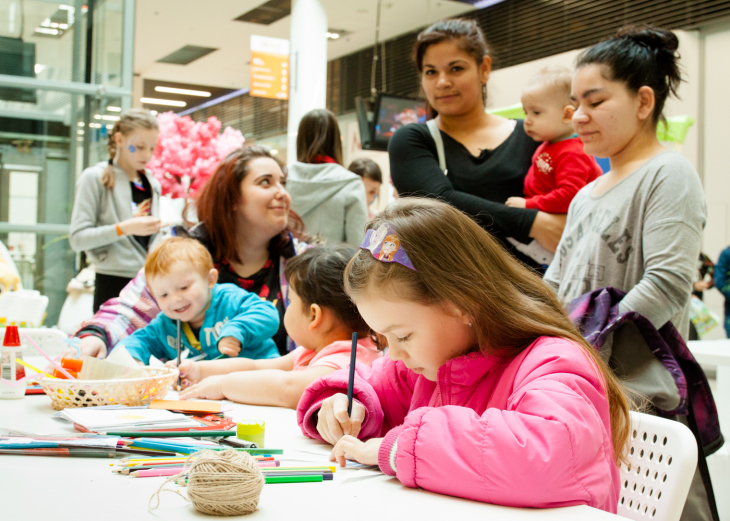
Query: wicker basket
{"points": [[87, 393]]}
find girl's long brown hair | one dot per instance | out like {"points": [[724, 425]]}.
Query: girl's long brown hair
{"points": [[459, 262], [319, 135], [222, 192]]}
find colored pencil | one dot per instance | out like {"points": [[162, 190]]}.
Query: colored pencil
{"points": [[63, 452], [220, 357], [153, 473], [131, 462], [190, 449], [27, 365], [279, 469], [173, 434], [293, 479], [326, 474], [147, 452], [351, 379]]}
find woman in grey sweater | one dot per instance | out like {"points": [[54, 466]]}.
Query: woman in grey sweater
{"points": [[117, 206], [329, 198], [638, 227]]}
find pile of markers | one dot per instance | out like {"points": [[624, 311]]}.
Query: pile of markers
{"points": [[168, 457], [270, 467]]}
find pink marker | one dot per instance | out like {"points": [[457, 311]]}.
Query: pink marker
{"points": [[153, 473], [269, 463]]}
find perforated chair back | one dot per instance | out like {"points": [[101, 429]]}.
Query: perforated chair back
{"points": [[50, 340], [662, 461]]}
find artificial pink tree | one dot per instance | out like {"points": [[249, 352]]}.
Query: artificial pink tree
{"points": [[188, 152]]}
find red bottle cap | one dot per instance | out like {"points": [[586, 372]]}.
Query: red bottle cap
{"points": [[12, 338]]}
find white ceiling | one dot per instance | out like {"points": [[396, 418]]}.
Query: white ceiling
{"points": [[163, 26]]}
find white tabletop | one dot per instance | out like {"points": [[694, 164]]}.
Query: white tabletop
{"points": [[35, 488]]}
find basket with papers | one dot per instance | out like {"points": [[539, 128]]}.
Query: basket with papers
{"points": [[153, 384]]}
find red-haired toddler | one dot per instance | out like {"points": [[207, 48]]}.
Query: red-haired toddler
{"points": [[216, 319]]}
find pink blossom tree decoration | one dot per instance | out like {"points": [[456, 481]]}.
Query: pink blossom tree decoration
{"points": [[188, 152]]}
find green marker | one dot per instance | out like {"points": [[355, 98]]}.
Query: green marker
{"points": [[293, 479]]}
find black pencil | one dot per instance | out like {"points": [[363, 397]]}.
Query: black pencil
{"points": [[351, 381]]}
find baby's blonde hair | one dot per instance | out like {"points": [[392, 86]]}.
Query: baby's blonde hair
{"points": [[130, 121], [557, 79], [174, 250]]}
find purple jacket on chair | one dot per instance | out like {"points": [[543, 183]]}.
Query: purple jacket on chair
{"points": [[596, 315]]}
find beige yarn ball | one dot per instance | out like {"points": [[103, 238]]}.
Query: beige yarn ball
{"points": [[226, 483]]}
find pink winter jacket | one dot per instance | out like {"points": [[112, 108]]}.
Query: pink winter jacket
{"points": [[525, 431]]}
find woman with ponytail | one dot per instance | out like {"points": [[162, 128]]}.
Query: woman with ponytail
{"points": [[117, 206], [638, 227]]}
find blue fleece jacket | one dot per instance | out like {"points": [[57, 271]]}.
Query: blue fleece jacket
{"points": [[233, 312]]}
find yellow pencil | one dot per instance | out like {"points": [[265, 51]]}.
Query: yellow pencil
{"points": [[26, 364]]}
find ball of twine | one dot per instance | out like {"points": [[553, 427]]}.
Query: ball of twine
{"points": [[226, 483]]}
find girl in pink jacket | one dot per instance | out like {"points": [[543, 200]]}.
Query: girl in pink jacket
{"points": [[488, 392]]}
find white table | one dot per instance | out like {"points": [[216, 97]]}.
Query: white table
{"points": [[78, 489]]}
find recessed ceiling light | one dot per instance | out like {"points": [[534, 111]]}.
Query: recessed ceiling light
{"points": [[333, 36], [184, 92], [106, 118], [43, 30], [153, 112], [114, 109], [169, 102], [39, 67]]}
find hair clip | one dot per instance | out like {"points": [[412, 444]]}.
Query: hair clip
{"points": [[385, 246]]}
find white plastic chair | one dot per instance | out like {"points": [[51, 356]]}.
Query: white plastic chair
{"points": [[50, 340], [662, 461]]}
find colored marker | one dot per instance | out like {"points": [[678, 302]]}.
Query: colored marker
{"points": [[153, 473], [293, 479]]}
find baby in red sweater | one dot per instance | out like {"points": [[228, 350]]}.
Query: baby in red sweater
{"points": [[560, 167]]}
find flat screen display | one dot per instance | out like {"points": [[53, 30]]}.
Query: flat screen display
{"points": [[393, 112]]}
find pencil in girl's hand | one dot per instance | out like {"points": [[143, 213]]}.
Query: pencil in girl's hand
{"points": [[351, 380]]}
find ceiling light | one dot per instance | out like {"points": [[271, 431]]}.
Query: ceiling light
{"points": [[169, 102], [66, 7], [43, 30], [114, 109], [94, 125], [332, 36], [153, 112], [184, 92], [39, 67], [106, 118], [80, 132]]}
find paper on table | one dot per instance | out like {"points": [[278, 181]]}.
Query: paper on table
{"points": [[95, 369], [121, 356], [95, 419], [155, 362], [186, 405]]}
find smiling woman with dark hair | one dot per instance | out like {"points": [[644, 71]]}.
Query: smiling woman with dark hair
{"points": [[247, 225]]}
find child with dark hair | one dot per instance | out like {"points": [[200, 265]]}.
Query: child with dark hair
{"points": [[320, 319], [371, 176]]}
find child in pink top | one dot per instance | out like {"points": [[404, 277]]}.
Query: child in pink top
{"points": [[487, 392], [320, 319]]}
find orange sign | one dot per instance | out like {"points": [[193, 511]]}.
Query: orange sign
{"points": [[269, 67]]}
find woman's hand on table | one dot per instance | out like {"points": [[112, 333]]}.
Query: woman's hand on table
{"points": [[333, 422], [349, 447], [229, 346], [210, 388], [547, 229]]}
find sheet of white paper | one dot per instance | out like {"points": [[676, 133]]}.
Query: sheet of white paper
{"points": [[155, 362]]}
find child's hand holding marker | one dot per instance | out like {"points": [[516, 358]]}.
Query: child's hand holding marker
{"points": [[229, 346], [190, 373], [353, 449], [333, 421]]}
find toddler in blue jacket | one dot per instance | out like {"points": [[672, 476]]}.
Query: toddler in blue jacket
{"points": [[216, 319]]}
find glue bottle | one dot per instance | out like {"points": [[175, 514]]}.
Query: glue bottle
{"points": [[12, 385]]}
